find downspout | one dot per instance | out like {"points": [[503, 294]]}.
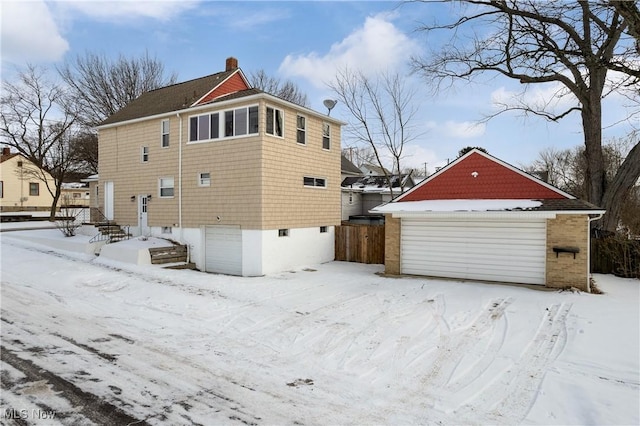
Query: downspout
{"points": [[589, 220], [180, 176]]}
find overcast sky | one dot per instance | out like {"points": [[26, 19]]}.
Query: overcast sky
{"points": [[302, 41]]}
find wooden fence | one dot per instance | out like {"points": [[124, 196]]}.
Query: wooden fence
{"points": [[360, 243]]}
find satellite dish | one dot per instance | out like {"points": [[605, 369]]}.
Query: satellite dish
{"points": [[329, 103]]}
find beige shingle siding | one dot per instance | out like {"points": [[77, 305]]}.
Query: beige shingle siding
{"points": [[234, 194], [287, 203], [256, 181], [119, 154]]}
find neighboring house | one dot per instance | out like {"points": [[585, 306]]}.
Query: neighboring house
{"points": [[373, 170], [75, 194], [249, 181], [348, 169], [360, 194], [22, 184], [483, 219]]}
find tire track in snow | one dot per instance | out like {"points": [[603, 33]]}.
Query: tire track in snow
{"points": [[455, 345], [511, 395]]}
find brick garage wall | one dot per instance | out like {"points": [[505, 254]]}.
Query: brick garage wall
{"points": [[563, 270], [392, 245]]}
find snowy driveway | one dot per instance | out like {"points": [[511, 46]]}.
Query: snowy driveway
{"points": [[336, 344]]}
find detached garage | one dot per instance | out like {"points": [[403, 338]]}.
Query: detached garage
{"points": [[480, 218]]}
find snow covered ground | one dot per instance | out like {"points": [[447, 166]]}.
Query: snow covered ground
{"points": [[329, 344]]}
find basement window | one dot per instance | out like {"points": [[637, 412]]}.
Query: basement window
{"points": [[323, 229], [283, 232]]}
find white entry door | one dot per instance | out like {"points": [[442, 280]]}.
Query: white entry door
{"points": [[143, 202], [108, 200]]}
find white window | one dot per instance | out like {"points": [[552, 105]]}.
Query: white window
{"points": [[351, 198], [164, 134], [283, 232], [144, 154], [314, 181], [235, 122], [275, 121], [302, 132], [166, 187], [204, 179], [326, 136]]}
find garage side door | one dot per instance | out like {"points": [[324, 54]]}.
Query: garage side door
{"points": [[223, 250], [493, 250]]}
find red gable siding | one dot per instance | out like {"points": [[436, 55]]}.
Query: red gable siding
{"points": [[493, 181], [235, 83]]}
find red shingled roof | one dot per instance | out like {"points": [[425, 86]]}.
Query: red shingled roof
{"points": [[478, 176]]}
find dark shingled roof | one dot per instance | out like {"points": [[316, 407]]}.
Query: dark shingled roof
{"points": [[348, 167], [560, 204], [170, 98]]}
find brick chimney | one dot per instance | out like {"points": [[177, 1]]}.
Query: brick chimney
{"points": [[232, 64], [6, 151]]}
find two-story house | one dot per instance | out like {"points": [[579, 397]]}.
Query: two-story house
{"points": [[251, 182]]}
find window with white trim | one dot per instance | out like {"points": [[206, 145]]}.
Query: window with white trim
{"points": [[164, 132], [301, 124], [204, 179], [223, 124], [34, 189], [314, 181], [144, 154], [326, 136], [165, 187], [275, 122]]}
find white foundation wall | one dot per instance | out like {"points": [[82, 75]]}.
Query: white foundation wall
{"points": [[264, 252]]}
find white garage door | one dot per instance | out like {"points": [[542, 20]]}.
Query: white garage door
{"points": [[223, 250], [493, 250]]}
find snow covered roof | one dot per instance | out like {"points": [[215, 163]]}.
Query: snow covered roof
{"points": [[457, 205], [376, 184], [538, 207]]}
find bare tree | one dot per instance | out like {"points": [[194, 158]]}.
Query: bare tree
{"points": [[286, 90], [381, 114], [359, 155], [466, 149], [566, 169], [102, 86], [572, 44], [629, 11], [36, 119], [86, 150]]}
